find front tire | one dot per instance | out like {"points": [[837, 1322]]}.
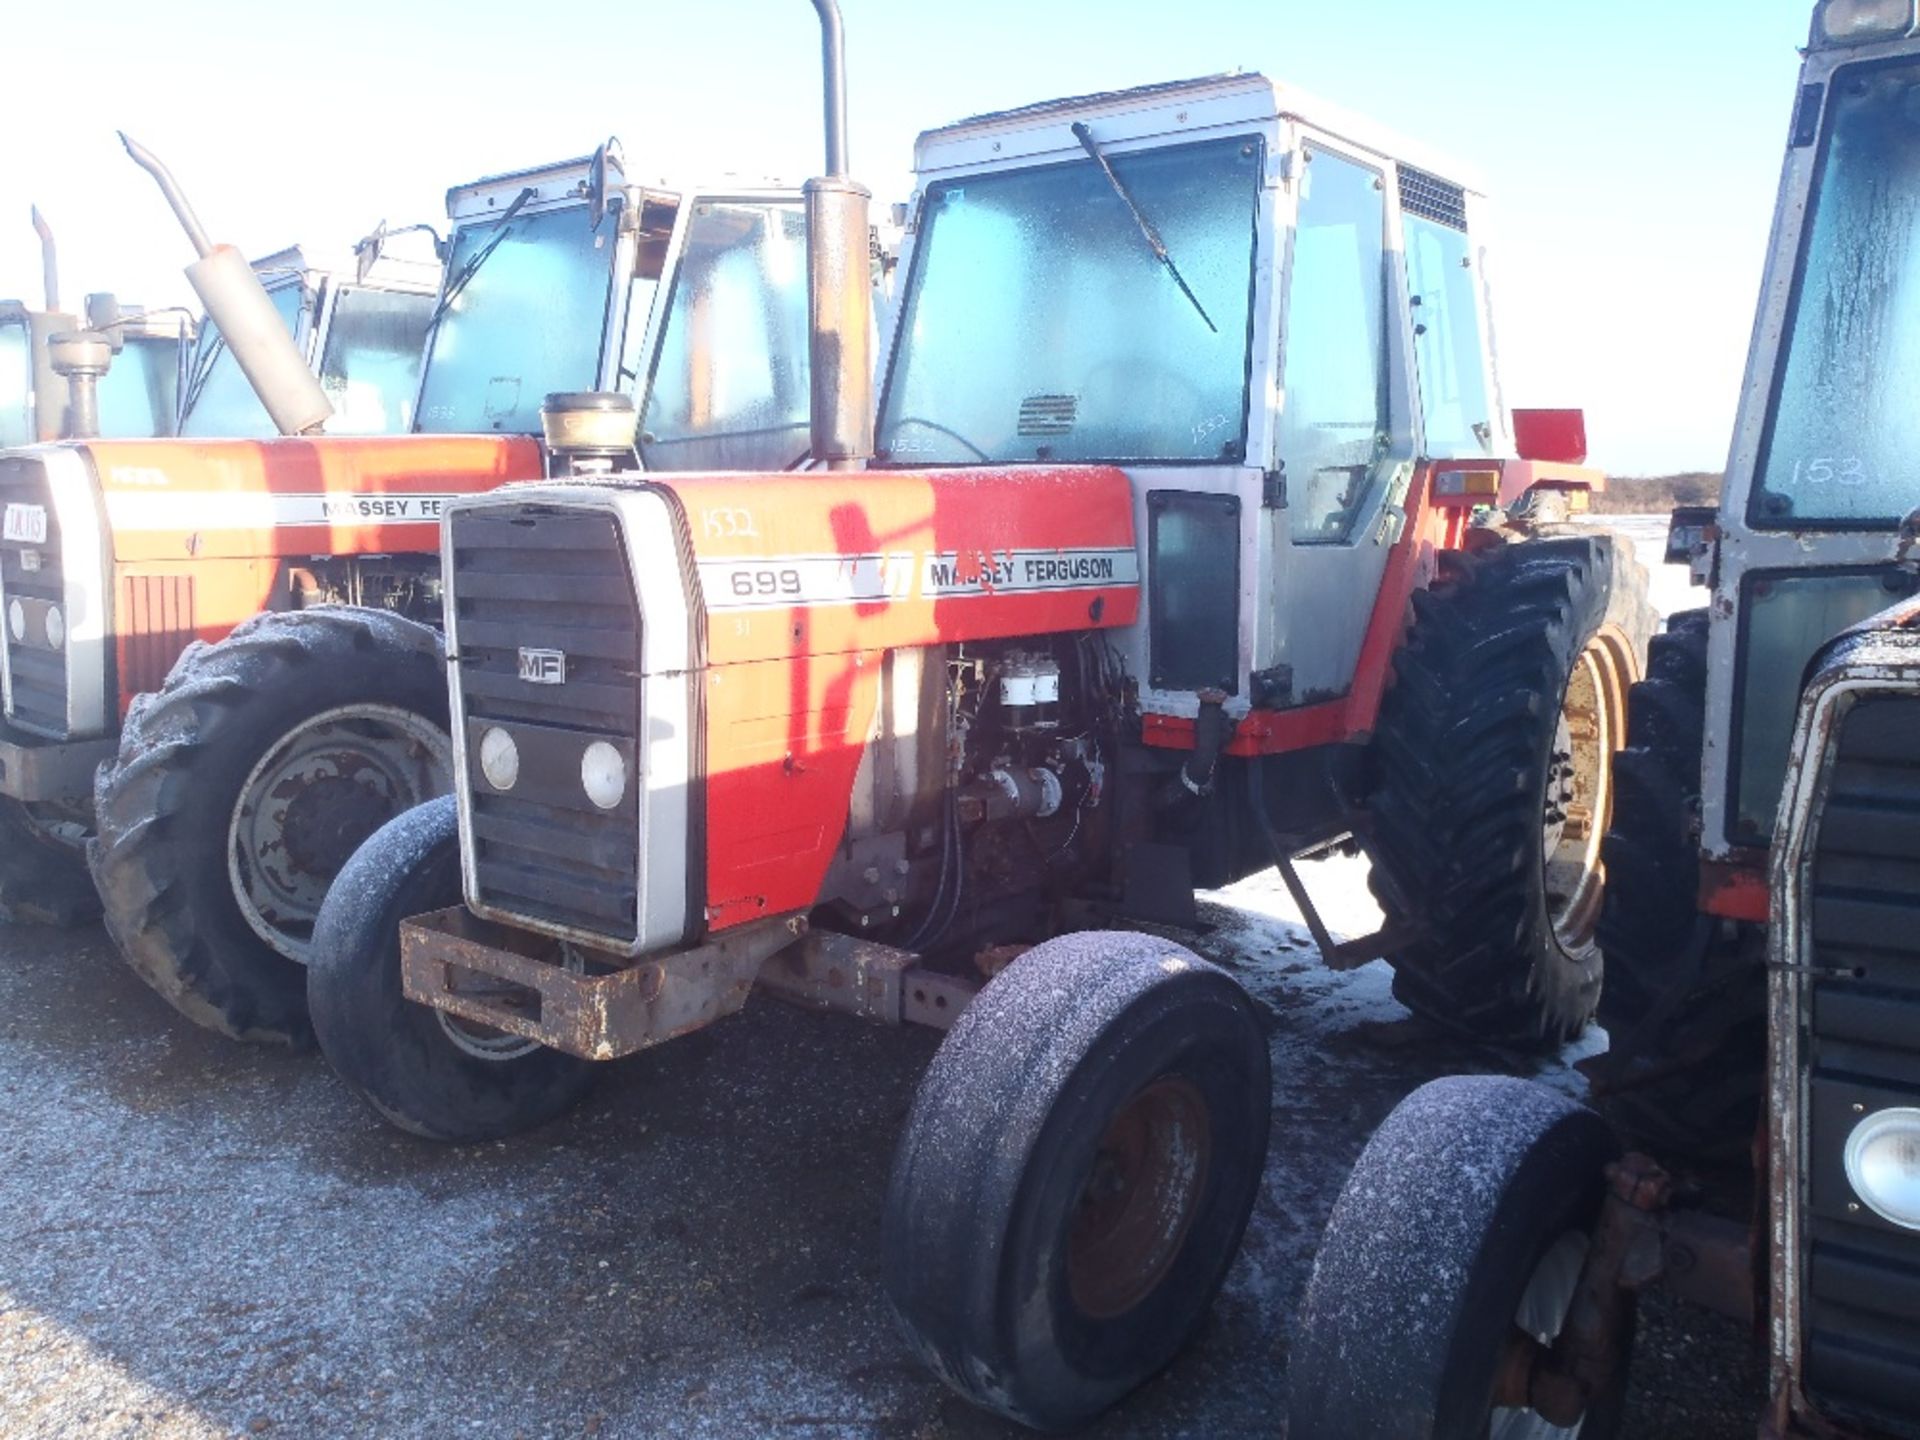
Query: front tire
{"points": [[1463, 1225], [430, 1075], [240, 789], [1492, 782], [1076, 1174]]}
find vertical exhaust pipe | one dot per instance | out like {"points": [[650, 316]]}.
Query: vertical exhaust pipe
{"points": [[49, 261], [237, 302], [839, 280]]}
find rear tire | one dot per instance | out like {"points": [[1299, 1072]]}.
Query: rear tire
{"points": [[240, 789], [1076, 1174], [1461, 1222], [396, 1054], [1491, 782], [43, 877], [1685, 997]]}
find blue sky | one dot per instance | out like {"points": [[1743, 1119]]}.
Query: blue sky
{"points": [[1632, 148]]}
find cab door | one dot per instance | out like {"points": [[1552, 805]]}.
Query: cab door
{"points": [[1345, 424]]}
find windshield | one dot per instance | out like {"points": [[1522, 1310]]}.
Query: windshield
{"points": [[1039, 325], [370, 367], [220, 401], [141, 388], [729, 389], [527, 323], [16, 385], [1840, 442]]}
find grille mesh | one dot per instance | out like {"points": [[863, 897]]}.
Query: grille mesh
{"points": [[38, 688], [1862, 1313], [1432, 198], [532, 577]]}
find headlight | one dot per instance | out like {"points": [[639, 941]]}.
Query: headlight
{"points": [[499, 759], [1883, 1164], [17, 620], [56, 627], [603, 771], [1853, 22]]}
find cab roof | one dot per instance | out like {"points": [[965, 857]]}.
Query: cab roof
{"points": [[1169, 108]]}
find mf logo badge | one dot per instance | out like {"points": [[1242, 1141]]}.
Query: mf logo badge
{"points": [[543, 667]]}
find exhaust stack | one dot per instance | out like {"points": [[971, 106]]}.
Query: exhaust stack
{"points": [[251, 327], [839, 280], [49, 261]]}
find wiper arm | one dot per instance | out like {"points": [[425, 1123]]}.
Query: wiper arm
{"points": [[464, 276], [202, 372], [1154, 242]]}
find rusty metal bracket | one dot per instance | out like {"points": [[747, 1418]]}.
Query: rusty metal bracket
{"points": [[467, 967], [826, 971]]}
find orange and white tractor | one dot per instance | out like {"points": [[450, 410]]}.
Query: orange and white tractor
{"points": [[1195, 537], [236, 633]]}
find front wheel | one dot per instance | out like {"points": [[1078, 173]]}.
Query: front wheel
{"points": [[1076, 1174], [1459, 1239], [430, 1073]]}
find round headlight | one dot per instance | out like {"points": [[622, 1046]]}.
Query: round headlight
{"points": [[17, 620], [56, 627], [603, 771], [1883, 1164], [499, 759]]}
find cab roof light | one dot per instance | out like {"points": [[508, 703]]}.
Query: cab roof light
{"points": [[1856, 22]]}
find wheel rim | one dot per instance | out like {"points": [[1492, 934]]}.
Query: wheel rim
{"points": [[489, 1042], [1138, 1202], [1579, 787], [318, 792], [1539, 1317]]}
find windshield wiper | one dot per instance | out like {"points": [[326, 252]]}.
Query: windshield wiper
{"points": [[464, 276], [1154, 242]]}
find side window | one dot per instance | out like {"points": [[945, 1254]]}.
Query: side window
{"points": [[1334, 422], [729, 385], [1447, 348], [16, 386], [371, 367], [220, 403]]}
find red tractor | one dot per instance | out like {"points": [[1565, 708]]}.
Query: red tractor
{"points": [[237, 634], [1195, 539]]}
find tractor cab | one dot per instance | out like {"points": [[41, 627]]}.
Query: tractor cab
{"points": [[359, 327], [1266, 309], [567, 278], [138, 392], [1816, 522]]}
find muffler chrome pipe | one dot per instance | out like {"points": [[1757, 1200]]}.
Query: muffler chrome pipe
{"points": [[839, 280], [238, 303]]}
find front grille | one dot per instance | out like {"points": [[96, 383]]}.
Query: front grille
{"points": [[32, 574], [554, 583], [1862, 1312]]}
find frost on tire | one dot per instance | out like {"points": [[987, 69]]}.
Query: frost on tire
{"points": [[240, 789]]}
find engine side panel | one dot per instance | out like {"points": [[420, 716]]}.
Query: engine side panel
{"points": [[294, 496]]}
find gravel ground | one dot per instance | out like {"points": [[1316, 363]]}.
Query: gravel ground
{"points": [[201, 1239]]}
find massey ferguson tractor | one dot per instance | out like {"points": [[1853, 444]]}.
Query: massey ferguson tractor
{"points": [[1480, 1271], [240, 774], [1193, 540]]}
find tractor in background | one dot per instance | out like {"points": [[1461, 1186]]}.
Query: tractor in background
{"points": [[1189, 535], [1763, 915]]}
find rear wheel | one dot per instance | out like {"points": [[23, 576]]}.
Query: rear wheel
{"points": [[1685, 997], [1492, 782], [1452, 1256], [241, 788], [430, 1073], [1076, 1174]]}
